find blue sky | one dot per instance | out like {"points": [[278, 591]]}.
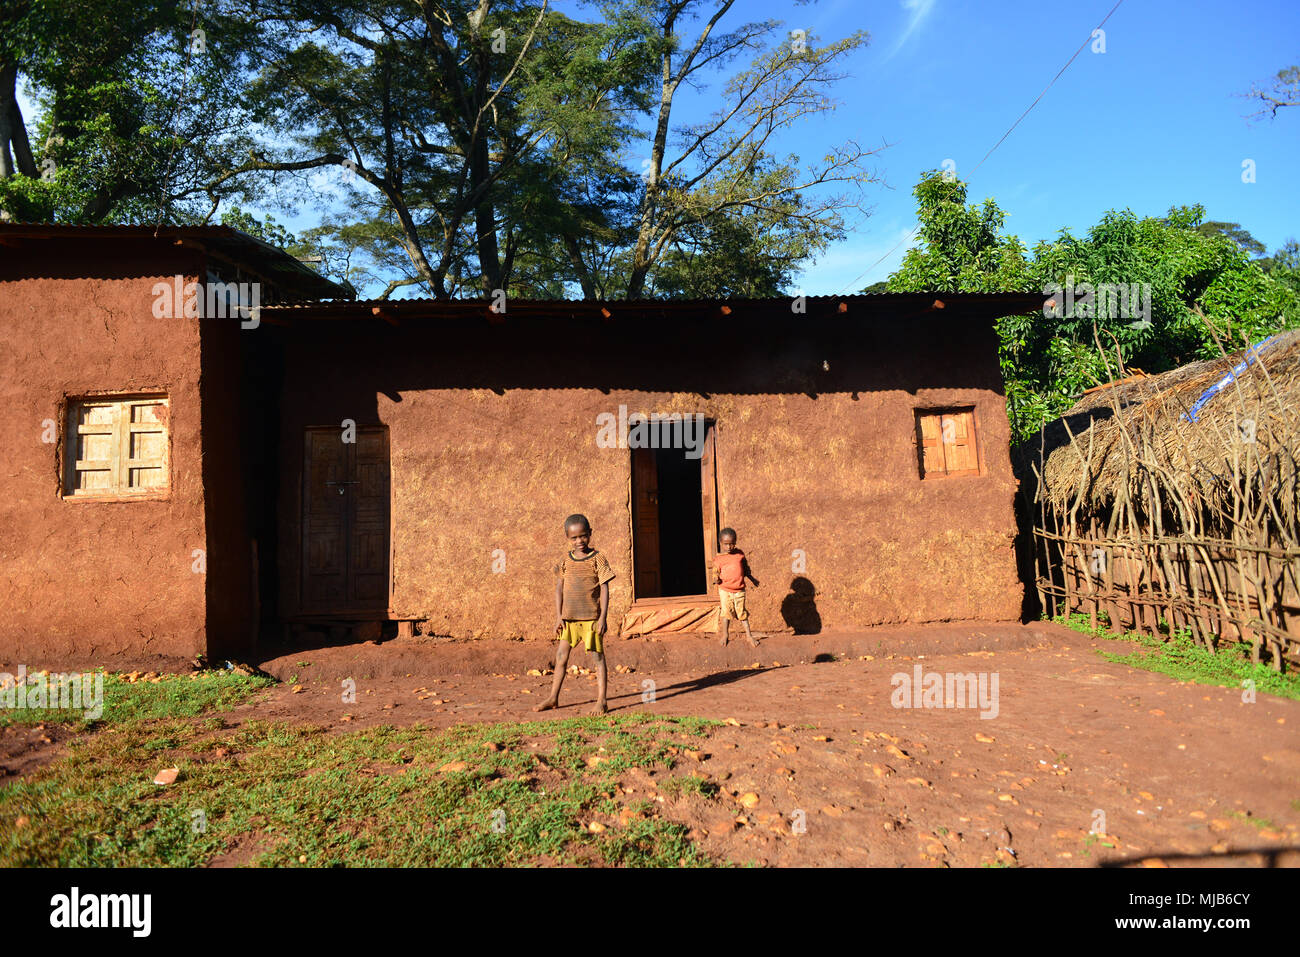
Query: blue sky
{"points": [[1150, 123]]}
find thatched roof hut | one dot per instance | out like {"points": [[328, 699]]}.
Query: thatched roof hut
{"points": [[1209, 436]]}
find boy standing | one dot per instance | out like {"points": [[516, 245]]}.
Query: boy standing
{"points": [[730, 569], [581, 606]]}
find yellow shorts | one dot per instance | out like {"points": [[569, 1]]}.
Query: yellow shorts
{"points": [[584, 631], [732, 604]]}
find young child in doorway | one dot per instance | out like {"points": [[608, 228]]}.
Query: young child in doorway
{"points": [[581, 606], [730, 569]]}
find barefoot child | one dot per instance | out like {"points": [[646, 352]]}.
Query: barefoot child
{"points": [[581, 606], [730, 569]]}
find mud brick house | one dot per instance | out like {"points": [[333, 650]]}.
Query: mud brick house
{"points": [[178, 485], [130, 488]]}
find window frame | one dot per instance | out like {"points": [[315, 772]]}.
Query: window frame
{"points": [[122, 402], [973, 442]]}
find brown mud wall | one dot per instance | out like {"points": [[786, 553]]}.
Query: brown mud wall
{"points": [[92, 578], [493, 437]]}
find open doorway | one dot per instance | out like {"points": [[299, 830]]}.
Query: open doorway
{"points": [[674, 520]]}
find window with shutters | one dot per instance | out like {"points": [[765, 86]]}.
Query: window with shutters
{"points": [[117, 447], [947, 442]]}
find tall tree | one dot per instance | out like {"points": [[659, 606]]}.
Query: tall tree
{"points": [[459, 123], [137, 104], [701, 174]]}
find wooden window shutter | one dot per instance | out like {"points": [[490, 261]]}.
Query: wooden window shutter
{"points": [[948, 443], [117, 447], [931, 445]]}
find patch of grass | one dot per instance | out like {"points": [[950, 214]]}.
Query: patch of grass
{"points": [[171, 696], [1091, 839], [689, 784], [302, 795], [1259, 823], [1179, 657]]}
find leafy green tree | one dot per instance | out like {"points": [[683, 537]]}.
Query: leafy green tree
{"points": [[1146, 292], [1284, 265], [741, 253], [1235, 233], [139, 104], [703, 175], [455, 128], [964, 249]]}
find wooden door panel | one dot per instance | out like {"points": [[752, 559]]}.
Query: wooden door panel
{"points": [[645, 523], [346, 514], [369, 519], [324, 520]]}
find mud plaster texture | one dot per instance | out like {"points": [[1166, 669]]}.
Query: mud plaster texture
{"points": [[493, 442], [95, 577]]}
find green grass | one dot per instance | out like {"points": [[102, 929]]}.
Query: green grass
{"points": [[1179, 657], [174, 696], [689, 784], [300, 795], [1259, 823]]}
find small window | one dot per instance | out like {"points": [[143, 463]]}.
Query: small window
{"points": [[947, 442], [117, 446]]}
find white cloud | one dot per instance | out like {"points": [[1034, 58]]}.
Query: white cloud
{"points": [[918, 11]]}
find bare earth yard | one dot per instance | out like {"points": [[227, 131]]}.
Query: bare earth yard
{"points": [[810, 763]]}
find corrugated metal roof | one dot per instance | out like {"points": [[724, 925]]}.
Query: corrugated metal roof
{"points": [[295, 278], [873, 307]]}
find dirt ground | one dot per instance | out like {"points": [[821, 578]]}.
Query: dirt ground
{"points": [[815, 766]]}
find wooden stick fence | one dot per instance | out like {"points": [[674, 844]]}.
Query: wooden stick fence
{"points": [[1152, 546], [1218, 590]]}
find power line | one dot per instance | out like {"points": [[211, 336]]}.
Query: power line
{"points": [[912, 232]]}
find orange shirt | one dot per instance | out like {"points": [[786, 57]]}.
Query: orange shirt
{"points": [[731, 568]]}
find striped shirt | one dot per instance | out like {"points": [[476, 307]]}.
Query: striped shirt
{"points": [[582, 580]]}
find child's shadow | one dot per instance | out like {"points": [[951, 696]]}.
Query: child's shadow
{"points": [[799, 608]]}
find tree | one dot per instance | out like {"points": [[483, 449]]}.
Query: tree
{"points": [[1234, 233], [490, 141], [1284, 91], [1284, 265], [458, 125], [705, 174], [461, 146], [136, 108], [1150, 292], [963, 249]]}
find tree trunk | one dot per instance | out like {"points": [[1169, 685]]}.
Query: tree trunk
{"points": [[579, 266], [13, 130]]}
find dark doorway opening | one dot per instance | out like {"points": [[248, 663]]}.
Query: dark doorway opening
{"points": [[681, 529], [674, 520]]}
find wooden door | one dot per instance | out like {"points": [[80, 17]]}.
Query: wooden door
{"points": [[346, 510], [645, 523], [709, 501]]}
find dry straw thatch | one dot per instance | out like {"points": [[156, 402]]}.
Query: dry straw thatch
{"points": [[1143, 441], [1170, 502]]}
